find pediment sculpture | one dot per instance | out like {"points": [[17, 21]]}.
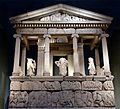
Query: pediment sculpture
{"points": [[62, 17]]}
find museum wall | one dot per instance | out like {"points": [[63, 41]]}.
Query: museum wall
{"points": [[114, 51], [3, 67]]}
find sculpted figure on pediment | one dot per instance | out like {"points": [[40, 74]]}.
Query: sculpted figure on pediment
{"points": [[62, 17]]}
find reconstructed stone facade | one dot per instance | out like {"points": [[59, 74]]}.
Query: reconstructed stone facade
{"points": [[61, 32]]}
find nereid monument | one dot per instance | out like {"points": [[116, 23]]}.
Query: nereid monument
{"points": [[59, 76]]}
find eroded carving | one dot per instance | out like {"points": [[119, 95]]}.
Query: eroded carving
{"points": [[91, 85], [67, 85], [62, 64], [31, 66], [18, 99], [91, 66], [83, 98], [103, 98], [62, 17], [40, 99], [63, 99]]}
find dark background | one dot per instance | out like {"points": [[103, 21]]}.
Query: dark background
{"points": [[9, 8]]}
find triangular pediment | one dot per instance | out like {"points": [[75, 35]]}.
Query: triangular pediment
{"points": [[61, 13]]}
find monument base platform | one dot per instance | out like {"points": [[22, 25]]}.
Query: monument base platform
{"points": [[70, 92]]}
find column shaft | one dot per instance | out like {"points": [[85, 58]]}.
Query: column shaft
{"points": [[75, 56], [105, 53], [40, 59], [47, 56], [23, 60], [16, 55], [81, 58]]}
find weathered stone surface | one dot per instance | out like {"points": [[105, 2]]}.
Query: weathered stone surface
{"points": [[39, 99], [83, 98], [66, 85], [91, 85], [18, 99], [61, 31], [15, 85], [36, 85], [108, 85], [88, 31], [63, 99], [27, 85], [32, 31], [103, 98], [89, 78], [99, 78], [51, 86]]}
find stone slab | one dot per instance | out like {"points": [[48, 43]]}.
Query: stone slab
{"points": [[104, 98], [15, 85], [99, 78], [18, 99], [36, 78], [91, 85], [67, 85], [89, 78], [83, 99], [108, 85], [74, 78]]}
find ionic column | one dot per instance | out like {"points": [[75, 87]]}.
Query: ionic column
{"points": [[75, 55], [105, 54], [23, 60], [17, 54], [81, 58], [47, 56], [40, 58], [97, 60]]}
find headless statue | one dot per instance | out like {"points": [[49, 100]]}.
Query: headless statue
{"points": [[31, 66], [62, 64], [91, 67]]}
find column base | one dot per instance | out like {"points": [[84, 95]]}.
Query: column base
{"points": [[107, 73], [77, 74], [15, 73], [46, 74]]}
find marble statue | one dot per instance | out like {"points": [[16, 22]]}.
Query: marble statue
{"points": [[31, 66], [62, 64], [91, 66]]}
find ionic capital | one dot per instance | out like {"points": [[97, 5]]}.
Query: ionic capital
{"points": [[17, 35], [74, 35], [47, 36], [104, 35]]}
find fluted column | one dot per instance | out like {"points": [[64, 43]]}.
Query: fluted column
{"points": [[40, 58], [81, 58], [75, 55], [97, 60], [23, 60], [105, 54], [47, 55], [17, 54]]}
